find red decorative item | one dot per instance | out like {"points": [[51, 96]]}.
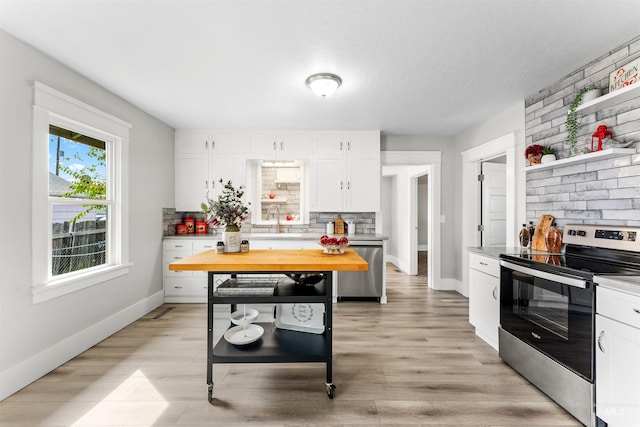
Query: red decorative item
{"points": [[201, 227], [601, 134]]}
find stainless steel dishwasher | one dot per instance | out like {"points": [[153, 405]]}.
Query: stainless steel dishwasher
{"points": [[363, 284]]}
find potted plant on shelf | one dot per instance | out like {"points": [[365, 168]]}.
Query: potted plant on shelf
{"points": [[572, 123], [533, 153], [228, 211], [548, 154]]}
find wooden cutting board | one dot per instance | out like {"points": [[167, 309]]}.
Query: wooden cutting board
{"points": [[539, 236]]}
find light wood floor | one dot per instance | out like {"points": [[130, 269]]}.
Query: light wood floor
{"points": [[413, 361]]}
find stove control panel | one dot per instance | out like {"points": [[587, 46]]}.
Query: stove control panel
{"points": [[603, 236]]}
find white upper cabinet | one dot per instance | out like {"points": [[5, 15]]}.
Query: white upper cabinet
{"points": [[202, 158], [346, 172], [280, 146], [344, 166]]}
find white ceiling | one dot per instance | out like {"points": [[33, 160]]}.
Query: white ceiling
{"points": [[432, 67]]}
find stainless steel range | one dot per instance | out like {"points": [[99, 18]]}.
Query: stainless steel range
{"points": [[547, 311]]}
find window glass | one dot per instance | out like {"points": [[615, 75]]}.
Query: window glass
{"points": [[281, 188], [78, 201]]}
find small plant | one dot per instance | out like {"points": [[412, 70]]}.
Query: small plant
{"points": [[548, 150], [572, 123], [228, 210]]}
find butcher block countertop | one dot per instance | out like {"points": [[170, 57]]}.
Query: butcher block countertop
{"points": [[272, 260]]}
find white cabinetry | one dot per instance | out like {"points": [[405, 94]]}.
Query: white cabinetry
{"points": [[345, 174], [617, 356], [484, 297], [182, 286], [202, 158], [280, 146]]}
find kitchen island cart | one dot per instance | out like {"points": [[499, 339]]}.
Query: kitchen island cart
{"points": [[275, 345]]}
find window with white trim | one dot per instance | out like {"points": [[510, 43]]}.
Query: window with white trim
{"points": [[80, 173]]}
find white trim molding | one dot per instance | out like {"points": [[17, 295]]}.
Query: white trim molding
{"points": [[51, 106]]}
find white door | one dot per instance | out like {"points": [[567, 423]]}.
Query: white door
{"points": [[494, 204]]}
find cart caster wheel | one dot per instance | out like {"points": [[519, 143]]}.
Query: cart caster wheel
{"points": [[210, 395], [331, 391]]}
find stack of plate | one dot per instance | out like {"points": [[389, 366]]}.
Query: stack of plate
{"points": [[245, 332]]}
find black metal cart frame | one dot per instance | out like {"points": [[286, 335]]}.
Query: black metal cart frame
{"points": [[276, 345]]}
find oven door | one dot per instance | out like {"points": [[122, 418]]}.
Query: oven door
{"points": [[553, 313]]}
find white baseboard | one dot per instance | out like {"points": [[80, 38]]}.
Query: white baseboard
{"points": [[423, 247], [29, 370], [447, 284]]}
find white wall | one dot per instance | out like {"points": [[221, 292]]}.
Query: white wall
{"points": [[34, 339], [507, 121], [446, 146], [398, 202]]}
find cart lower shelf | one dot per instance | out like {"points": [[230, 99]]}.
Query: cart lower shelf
{"points": [[275, 346]]}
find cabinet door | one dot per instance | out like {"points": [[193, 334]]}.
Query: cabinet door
{"points": [[328, 185], [362, 186], [191, 182], [228, 161], [617, 372], [192, 142], [330, 146], [263, 146], [364, 145], [229, 144], [294, 146], [484, 305]]}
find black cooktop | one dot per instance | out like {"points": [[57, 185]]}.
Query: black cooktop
{"points": [[580, 261]]}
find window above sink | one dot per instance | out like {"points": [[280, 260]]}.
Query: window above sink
{"points": [[281, 189]]}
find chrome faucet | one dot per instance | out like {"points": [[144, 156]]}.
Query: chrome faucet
{"points": [[277, 216]]}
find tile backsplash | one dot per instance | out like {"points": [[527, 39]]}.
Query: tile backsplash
{"points": [[365, 222], [598, 192]]}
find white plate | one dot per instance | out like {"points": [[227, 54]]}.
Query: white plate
{"points": [[238, 336], [239, 317]]}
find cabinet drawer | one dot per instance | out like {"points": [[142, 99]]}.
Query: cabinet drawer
{"points": [[178, 245], [204, 246], [618, 306], [172, 256], [185, 287], [486, 265]]}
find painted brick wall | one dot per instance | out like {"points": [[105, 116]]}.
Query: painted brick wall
{"points": [[603, 192]]}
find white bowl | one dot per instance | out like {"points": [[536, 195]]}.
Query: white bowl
{"points": [[241, 318]]}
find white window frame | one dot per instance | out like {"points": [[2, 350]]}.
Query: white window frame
{"points": [[54, 107]]}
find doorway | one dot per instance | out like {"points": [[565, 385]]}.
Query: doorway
{"points": [[493, 202], [472, 160], [401, 170], [423, 226]]}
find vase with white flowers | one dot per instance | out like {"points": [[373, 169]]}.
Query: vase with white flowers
{"points": [[229, 211]]}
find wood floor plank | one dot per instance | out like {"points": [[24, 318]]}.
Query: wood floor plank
{"points": [[412, 362]]}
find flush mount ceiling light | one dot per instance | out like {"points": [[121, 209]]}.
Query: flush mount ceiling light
{"points": [[323, 84]]}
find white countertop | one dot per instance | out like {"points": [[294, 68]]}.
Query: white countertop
{"points": [[278, 236], [495, 251], [627, 284]]}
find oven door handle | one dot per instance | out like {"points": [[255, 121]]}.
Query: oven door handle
{"points": [[578, 283]]}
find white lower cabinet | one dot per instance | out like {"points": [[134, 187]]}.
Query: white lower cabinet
{"points": [[617, 357], [182, 286], [484, 297]]}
